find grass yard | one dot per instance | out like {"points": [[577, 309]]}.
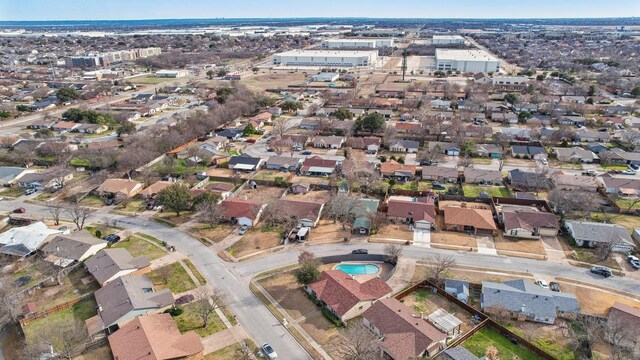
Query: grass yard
{"points": [[90, 201], [71, 287], [532, 246], [327, 231], [253, 241], [195, 271], [230, 352], [628, 204], [424, 301], [394, 231], [322, 331], [452, 238], [272, 175], [13, 191], [189, 320], [590, 256], [481, 160], [103, 230], [149, 80], [151, 238], [413, 185], [289, 294], [261, 195], [178, 282], [628, 221], [215, 234], [134, 205], [171, 216], [475, 190], [480, 341], [614, 167], [79, 312], [138, 247], [31, 270]]}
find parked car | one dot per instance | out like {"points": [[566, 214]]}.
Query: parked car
{"points": [[111, 238], [634, 167], [243, 229], [19, 210], [438, 186], [251, 141], [184, 299], [110, 201], [635, 264], [306, 153], [542, 283], [30, 191], [602, 271], [628, 172], [269, 352], [360, 251], [544, 161], [590, 173], [554, 286], [22, 280], [631, 258]]}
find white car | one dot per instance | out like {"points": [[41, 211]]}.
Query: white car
{"points": [[269, 352], [628, 172], [544, 161], [542, 283]]}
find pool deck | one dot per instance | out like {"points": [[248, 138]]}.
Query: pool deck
{"points": [[383, 269]]}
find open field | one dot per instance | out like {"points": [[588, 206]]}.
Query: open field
{"points": [[271, 175], [272, 81], [149, 80], [327, 231], [321, 196], [255, 240]]}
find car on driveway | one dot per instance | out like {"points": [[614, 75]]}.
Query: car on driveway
{"points": [[184, 299], [360, 251], [22, 280], [269, 352], [111, 238], [554, 286], [628, 172], [590, 173], [243, 229], [306, 153], [634, 167], [30, 191], [542, 283], [602, 271]]}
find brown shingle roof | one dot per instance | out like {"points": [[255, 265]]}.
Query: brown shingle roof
{"points": [[406, 335], [626, 315], [240, 208], [317, 161], [391, 166], [155, 188], [153, 337], [478, 218], [341, 292], [529, 220], [300, 209], [416, 209]]}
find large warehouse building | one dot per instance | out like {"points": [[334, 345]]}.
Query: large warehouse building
{"points": [[466, 61], [447, 39], [325, 58], [356, 43]]}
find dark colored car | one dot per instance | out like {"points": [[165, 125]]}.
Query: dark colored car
{"points": [[306, 153], [19, 210], [251, 141], [111, 238], [438, 186], [554, 286], [602, 271], [184, 299], [360, 251], [22, 281], [110, 202]]}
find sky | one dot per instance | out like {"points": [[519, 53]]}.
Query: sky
{"points": [[183, 9]]}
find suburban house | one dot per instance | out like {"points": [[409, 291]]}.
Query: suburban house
{"points": [[119, 189], [283, 163], [317, 166], [408, 127], [411, 210], [575, 155], [307, 213], [525, 301], [597, 147], [125, 298], [528, 152], [440, 173], [230, 134], [154, 189], [627, 317], [572, 120], [505, 117], [620, 185], [64, 250], [457, 288], [224, 190], [444, 147], [40, 180], [155, 337], [327, 142], [590, 234], [363, 211], [310, 123], [371, 144], [525, 180], [25, 240], [574, 182], [344, 296], [91, 128], [586, 135], [245, 162], [623, 157], [110, 264], [473, 221], [473, 175], [403, 334], [408, 146], [9, 174], [527, 222], [300, 188], [488, 150], [242, 212], [394, 170], [65, 126]]}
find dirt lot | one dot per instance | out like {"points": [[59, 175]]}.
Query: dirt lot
{"points": [[424, 301], [322, 331], [594, 301], [309, 179], [327, 231], [554, 339], [255, 240], [261, 195], [533, 246], [215, 234], [320, 196], [289, 294], [272, 81], [271, 175], [394, 231], [369, 83], [453, 238]]}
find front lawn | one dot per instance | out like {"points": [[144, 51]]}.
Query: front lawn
{"points": [[190, 320], [13, 191], [590, 256], [195, 271], [481, 340], [255, 240], [178, 280], [138, 247], [216, 233], [474, 191], [90, 201], [614, 167]]}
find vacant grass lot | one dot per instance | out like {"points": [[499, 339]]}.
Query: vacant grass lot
{"points": [[138, 247], [178, 282], [288, 293], [148, 80], [480, 341], [255, 240], [189, 320], [215, 234], [475, 190]]}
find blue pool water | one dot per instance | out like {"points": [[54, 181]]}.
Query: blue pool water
{"points": [[358, 269]]}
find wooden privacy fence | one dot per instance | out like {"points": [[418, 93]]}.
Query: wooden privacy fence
{"points": [[41, 314]]}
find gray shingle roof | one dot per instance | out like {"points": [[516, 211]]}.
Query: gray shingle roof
{"points": [[108, 262], [598, 232]]}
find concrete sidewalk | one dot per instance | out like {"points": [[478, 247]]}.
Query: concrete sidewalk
{"points": [[224, 338]]}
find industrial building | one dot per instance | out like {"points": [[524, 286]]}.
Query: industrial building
{"points": [[111, 58], [171, 73], [447, 39], [83, 61], [325, 58], [466, 61], [356, 43]]}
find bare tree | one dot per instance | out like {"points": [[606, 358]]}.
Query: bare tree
{"points": [[567, 202], [209, 212], [630, 138], [622, 339], [392, 251], [358, 343], [243, 353], [55, 210], [390, 133], [66, 338], [206, 302], [439, 266], [78, 214], [605, 248], [431, 155], [590, 332], [8, 141], [164, 273], [341, 208], [10, 305]]}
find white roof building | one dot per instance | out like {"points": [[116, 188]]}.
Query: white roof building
{"points": [[466, 60], [447, 39], [325, 58], [22, 241]]}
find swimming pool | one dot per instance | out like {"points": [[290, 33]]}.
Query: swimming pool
{"points": [[358, 269]]}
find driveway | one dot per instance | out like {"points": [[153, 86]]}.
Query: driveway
{"points": [[422, 238], [486, 245], [553, 249]]}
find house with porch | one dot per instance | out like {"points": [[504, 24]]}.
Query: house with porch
{"points": [[469, 220], [241, 212]]}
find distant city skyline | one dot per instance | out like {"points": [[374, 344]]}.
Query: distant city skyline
{"points": [[33, 10]]}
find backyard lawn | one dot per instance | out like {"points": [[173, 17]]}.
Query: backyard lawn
{"points": [[475, 190], [480, 341], [90, 201], [80, 311], [137, 247], [628, 221], [178, 280], [628, 204], [190, 320]]}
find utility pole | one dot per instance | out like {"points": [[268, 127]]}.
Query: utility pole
{"points": [[405, 53]]}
